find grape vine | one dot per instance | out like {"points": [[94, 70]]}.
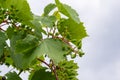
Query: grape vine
{"points": [[27, 40]]}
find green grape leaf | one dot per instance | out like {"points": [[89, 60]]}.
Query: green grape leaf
{"points": [[2, 42], [41, 74], [17, 58], [10, 32], [24, 12], [7, 58], [57, 15], [71, 29], [21, 61], [37, 26], [48, 9], [54, 48], [23, 9], [8, 61], [12, 76], [26, 45], [67, 70], [48, 21], [24, 61], [17, 35], [67, 11]]}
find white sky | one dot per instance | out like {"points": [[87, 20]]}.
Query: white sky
{"points": [[102, 47]]}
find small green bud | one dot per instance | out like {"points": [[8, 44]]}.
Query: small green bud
{"points": [[73, 56], [57, 34], [81, 54]]}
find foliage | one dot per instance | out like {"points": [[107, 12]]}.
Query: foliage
{"points": [[66, 70], [41, 74], [30, 39], [12, 76]]}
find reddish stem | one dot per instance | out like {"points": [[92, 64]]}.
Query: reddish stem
{"points": [[43, 62], [2, 29], [53, 68]]}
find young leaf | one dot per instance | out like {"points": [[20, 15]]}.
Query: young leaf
{"points": [[48, 21], [67, 11], [12, 76], [48, 9], [67, 70], [75, 31], [57, 15], [37, 26]]}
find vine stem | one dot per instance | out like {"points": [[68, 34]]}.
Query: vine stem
{"points": [[53, 67], [2, 29], [2, 26], [44, 62], [47, 32], [20, 72], [54, 70], [68, 43]]}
